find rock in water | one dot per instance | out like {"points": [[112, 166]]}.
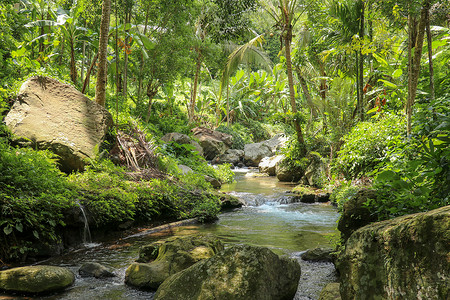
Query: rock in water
{"points": [[92, 269], [51, 115], [402, 258], [36, 279], [237, 273], [268, 164], [174, 255]]}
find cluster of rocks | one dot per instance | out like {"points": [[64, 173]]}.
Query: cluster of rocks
{"points": [[198, 267]]}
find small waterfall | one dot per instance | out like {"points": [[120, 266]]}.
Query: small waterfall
{"points": [[87, 239]]}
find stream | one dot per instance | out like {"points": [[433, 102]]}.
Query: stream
{"points": [[269, 219]]}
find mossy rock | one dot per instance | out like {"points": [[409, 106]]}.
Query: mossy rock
{"points": [[330, 292], [318, 254], [403, 258], [174, 255], [237, 273], [36, 279], [355, 215]]}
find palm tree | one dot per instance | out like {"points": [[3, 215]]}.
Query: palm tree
{"points": [[286, 15], [100, 91]]}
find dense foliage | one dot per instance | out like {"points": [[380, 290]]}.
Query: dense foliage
{"points": [[353, 83]]}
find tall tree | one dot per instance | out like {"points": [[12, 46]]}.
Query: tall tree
{"points": [[285, 14], [416, 30], [100, 91]]}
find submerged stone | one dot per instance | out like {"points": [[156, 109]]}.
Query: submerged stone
{"points": [[36, 279], [237, 273], [92, 269]]}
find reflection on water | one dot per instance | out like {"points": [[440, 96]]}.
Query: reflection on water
{"points": [[285, 228]]}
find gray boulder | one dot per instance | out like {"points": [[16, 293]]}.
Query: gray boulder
{"points": [[181, 139], [36, 279], [93, 269], [401, 258], [318, 254], [213, 143], [254, 153], [184, 169], [276, 143], [288, 173], [213, 181], [55, 116], [237, 273], [173, 255], [268, 164], [315, 172], [231, 156]]}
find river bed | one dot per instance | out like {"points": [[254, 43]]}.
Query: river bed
{"points": [[268, 220]]}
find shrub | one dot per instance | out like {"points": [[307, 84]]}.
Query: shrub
{"points": [[370, 146], [238, 142]]}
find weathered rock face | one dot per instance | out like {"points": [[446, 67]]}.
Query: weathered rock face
{"points": [[92, 269], [181, 139], [254, 153], [315, 172], [276, 143], [231, 156], [213, 181], [402, 258], [55, 116], [268, 164], [318, 254], [237, 273], [330, 292], [214, 143], [288, 174], [185, 169], [174, 255], [354, 214], [36, 279]]}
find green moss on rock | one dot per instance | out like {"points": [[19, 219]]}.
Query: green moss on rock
{"points": [[36, 279], [237, 273], [403, 258]]}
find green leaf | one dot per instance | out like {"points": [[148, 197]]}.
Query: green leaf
{"points": [[387, 175], [7, 230], [19, 227], [372, 110], [397, 73], [388, 83], [36, 234]]}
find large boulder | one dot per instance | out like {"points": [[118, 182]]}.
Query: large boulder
{"points": [[173, 255], [51, 115], [182, 139], [354, 214], [93, 269], [268, 164], [288, 173], [330, 292], [315, 172], [36, 279], [237, 273], [254, 153], [277, 142], [402, 258], [213, 143], [231, 156]]}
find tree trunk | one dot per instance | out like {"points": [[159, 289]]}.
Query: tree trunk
{"points": [[298, 129], [125, 61], [413, 78], [88, 73], [83, 60], [430, 55], [152, 90], [305, 90], [194, 90], [141, 67], [100, 91], [361, 65], [73, 68]]}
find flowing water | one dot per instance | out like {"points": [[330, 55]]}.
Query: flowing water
{"points": [[269, 220]]}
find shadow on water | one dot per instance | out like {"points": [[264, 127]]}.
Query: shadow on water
{"points": [[287, 229]]}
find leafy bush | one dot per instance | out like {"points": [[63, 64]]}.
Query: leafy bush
{"points": [[370, 146], [342, 193], [33, 196], [238, 142]]}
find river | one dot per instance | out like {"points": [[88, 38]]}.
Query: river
{"points": [[269, 220]]}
